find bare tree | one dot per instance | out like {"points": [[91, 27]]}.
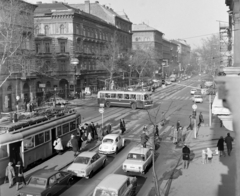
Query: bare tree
{"points": [[16, 31]]}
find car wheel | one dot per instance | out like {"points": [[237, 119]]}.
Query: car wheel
{"points": [[70, 181], [107, 104], [134, 106], [143, 172], [90, 175], [116, 150]]}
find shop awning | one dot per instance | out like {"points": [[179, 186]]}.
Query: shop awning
{"points": [[217, 107]]}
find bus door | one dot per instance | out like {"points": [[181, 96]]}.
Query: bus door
{"points": [[53, 132], [15, 152]]}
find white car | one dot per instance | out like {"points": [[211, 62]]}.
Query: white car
{"points": [[116, 185], [192, 92], [138, 160], [86, 163], [167, 82], [111, 144], [197, 99]]}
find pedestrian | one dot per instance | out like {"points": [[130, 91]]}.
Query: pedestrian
{"points": [[79, 139], [209, 155], [98, 129], [74, 143], [175, 133], [220, 146], [19, 174], [156, 131], [204, 157], [144, 139], [180, 134], [122, 126], [89, 133], [94, 131], [10, 174], [228, 141], [58, 145], [201, 120], [186, 156], [178, 125], [190, 126], [109, 128]]}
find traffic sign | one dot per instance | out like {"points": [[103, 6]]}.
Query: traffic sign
{"points": [[101, 105], [101, 110], [194, 106]]}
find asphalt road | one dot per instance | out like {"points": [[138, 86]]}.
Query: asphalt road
{"points": [[175, 101]]}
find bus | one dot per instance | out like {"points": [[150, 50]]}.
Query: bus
{"points": [[34, 143], [133, 99]]}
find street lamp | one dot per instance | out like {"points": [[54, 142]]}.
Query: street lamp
{"points": [[194, 116], [74, 61], [130, 75], [55, 89]]}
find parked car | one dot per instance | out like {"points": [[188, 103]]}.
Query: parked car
{"points": [[167, 82], [138, 160], [59, 100], [86, 163], [192, 92], [197, 99], [116, 185], [111, 144], [46, 182]]}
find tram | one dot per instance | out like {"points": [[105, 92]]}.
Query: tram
{"points": [[33, 143]]}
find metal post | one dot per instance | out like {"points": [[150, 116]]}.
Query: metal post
{"points": [[210, 111], [74, 86], [195, 127], [102, 120]]}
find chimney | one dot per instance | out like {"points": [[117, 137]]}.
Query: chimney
{"points": [[39, 2], [87, 6]]}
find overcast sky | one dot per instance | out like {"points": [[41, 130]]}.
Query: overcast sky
{"points": [[177, 19]]}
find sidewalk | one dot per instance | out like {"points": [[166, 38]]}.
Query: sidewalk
{"points": [[57, 162], [212, 179]]}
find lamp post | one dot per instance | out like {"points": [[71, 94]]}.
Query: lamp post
{"points": [[74, 61], [194, 116], [130, 75], [17, 99], [55, 89]]}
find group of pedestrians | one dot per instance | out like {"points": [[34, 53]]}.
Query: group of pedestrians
{"points": [[220, 145], [191, 123], [145, 137], [177, 133], [14, 174]]}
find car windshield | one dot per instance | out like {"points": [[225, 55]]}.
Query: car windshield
{"points": [[135, 156], [198, 97], [103, 192], [82, 160], [41, 182], [107, 140]]}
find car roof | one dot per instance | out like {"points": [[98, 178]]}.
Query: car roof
{"points": [[111, 136], [44, 173], [112, 182], [139, 150], [87, 154]]}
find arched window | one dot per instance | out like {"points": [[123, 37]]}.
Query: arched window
{"points": [[37, 30], [62, 29], [77, 29], [46, 29]]}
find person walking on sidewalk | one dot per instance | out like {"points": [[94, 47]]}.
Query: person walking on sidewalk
{"points": [[204, 157], [174, 135], [144, 139], [10, 174], [186, 156], [201, 120], [209, 155], [122, 125], [58, 145], [74, 143], [220, 146], [19, 175], [178, 125], [228, 141]]}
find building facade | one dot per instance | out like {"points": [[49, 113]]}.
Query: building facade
{"points": [[16, 77]]}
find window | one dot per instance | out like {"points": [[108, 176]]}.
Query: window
{"points": [[3, 152], [28, 143], [39, 139], [38, 48], [113, 96], [133, 97], [59, 131], [119, 96], [47, 47], [107, 95], [65, 128], [126, 96], [37, 30], [62, 47], [47, 136], [72, 125], [62, 65], [102, 95], [62, 29], [46, 29]]}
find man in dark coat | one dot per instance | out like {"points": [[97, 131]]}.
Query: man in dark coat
{"points": [[186, 156], [144, 139], [228, 141], [109, 128], [94, 131], [75, 146], [220, 146], [201, 120], [122, 125], [178, 125]]}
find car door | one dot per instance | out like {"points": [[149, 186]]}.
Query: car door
{"points": [[93, 164], [62, 179], [98, 161], [53, 185]]}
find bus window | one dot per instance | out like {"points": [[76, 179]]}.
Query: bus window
{"points": [[102, 95], [119, 96], [39, 139], [133, 97], [126, 96], [3, 152], [107, 95], [113, 96], [47, 136], [139, 97], [28, 143], [59, 131]]}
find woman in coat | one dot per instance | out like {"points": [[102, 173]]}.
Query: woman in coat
{"points": [[10, 174], [19, 174], [220, 146], [74, 143], [58, 145], [122, 125]]}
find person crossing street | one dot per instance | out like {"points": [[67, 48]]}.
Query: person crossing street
{"points": [[201, 120], [144, 138]]}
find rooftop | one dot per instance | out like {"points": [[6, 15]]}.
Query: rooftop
{"points": [[143, 27]]}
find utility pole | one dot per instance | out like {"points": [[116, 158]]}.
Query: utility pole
{"points": [[210, 110]]}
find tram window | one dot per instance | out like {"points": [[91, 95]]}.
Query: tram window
{"points": [[47, 136], [28, 143], [113, 96], [65, 128], [72, 125], [133, 97], [102, 95], [119, 96], [3, 152], [39, 139], [59, 131], [126, 96]]}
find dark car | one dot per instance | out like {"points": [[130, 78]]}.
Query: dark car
{"points": [[46, 183]]}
